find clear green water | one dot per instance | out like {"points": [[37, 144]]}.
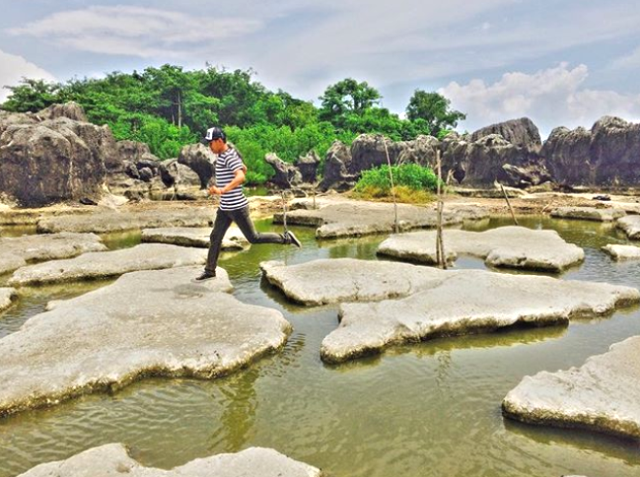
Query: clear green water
{"points": [[426, 410]]}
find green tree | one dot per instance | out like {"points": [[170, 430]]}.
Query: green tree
{"points": [[434, 109], [347, 98], [31, 95]]}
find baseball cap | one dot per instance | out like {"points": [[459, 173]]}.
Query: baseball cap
{"points": [[213, 134]]}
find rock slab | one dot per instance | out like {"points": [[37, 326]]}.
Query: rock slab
{"points": [[622, 252], [508, 247], [15, 252], [630, 226], [588, 213], [7, 295], [91, 266], [195, 237], [151, 323], [113, 459], [602, 395]]}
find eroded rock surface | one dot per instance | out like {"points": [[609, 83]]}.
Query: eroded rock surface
{"points": [[91, 266], [490, 301], [195, 237], [588, 213], [152, 323], [622, 252], [113, 459], [7, 295], [602, 395], [15, 252], [631, 226], [345, 218], [114, 221], [509, 247]]}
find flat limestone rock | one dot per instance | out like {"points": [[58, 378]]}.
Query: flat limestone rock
{"points": [[113, 459], [508, 247], [588, 213], [464, 302], [326, 281], [151, 323], [602, 395], [121, 221], [195, 237], [355, 218], [15, 252], [622, 252], [7, 295], [91, 266], [631, 226]]}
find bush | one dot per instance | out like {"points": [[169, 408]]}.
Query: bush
{"points": [[411, 176]]}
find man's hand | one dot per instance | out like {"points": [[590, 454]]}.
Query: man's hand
{"points": [[213, 190]]}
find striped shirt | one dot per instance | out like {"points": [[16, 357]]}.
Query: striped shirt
{"points": [[227, 164]]}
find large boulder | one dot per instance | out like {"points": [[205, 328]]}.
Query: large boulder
{"points": [[369, 151], [308, 166], [200, 159], [568, 156], [423, 151], [336, 174], [45, 163], [9, 119], [185, 181], [70, 110], [286, 175], [519, 132]]}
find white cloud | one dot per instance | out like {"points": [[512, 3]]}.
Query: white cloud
{"points": [[135, 31], [552, 97], [632, 60], [13, 68]]}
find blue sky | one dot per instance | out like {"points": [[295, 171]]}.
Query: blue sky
{"points": [[559, 62]]}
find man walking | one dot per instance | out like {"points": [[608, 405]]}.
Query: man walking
{"points": [[234, 207]]}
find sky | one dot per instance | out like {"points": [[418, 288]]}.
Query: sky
{"points": [[558, 62]]}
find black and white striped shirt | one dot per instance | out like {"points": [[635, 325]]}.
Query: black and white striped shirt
{"points": [[227, 164]]}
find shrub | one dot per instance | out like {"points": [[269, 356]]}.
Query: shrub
{"points": [[411, 176]]}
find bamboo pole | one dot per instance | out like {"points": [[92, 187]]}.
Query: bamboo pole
{"points": [[396, 226], [506, 197]]}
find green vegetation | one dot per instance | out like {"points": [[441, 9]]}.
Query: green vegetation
{"points": [[413, 183], [168, 108]]}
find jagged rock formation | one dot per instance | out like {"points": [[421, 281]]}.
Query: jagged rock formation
{"points": [[200, 159], [521, 133], [286, 175], [336, 166]]}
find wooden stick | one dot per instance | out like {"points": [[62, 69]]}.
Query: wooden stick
{"points": [[393, 191], [441, 258], [513, 215]]}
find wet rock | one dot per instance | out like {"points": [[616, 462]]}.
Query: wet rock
{"points": [[200, 159], [7, 295], [588, 213], [336, 175], [603, 395], [622, 252], [15, 252], [631, 226], [356, 218], [519, 132], [115, 221], [490, 301], [98, 265], [151, 323], [308, 167], [195, 237], [286, 175], [508, 247], [336, 280], [113, 459]]}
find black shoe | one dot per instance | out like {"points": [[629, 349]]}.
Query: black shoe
{"points": [[291, 239], [205, 276]]}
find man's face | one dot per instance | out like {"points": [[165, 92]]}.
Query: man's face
{"points": [[217, 146]]}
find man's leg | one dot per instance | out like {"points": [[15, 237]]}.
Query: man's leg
{"points": [[242, 218], [220, 227]]}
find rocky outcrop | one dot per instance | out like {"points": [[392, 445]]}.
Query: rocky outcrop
{"points": [[308, 167], [286, 175], [153, 323], [603, 395], [181, 178], [113, 459], [16, 252], [200, 159], [369, 151], [421, 151], [522, 133], [70, 110], [99, 265], [336, 169], [608, 155], [503, 247]]}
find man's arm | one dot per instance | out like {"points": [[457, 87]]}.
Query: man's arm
{"points": [[239, 178]]}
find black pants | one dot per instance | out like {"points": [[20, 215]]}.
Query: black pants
{"points": [[224, 218]]}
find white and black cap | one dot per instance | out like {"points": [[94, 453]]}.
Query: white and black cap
{"points": [[213, 134]]}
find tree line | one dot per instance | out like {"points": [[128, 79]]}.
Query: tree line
{"points": [[168, 107]]}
